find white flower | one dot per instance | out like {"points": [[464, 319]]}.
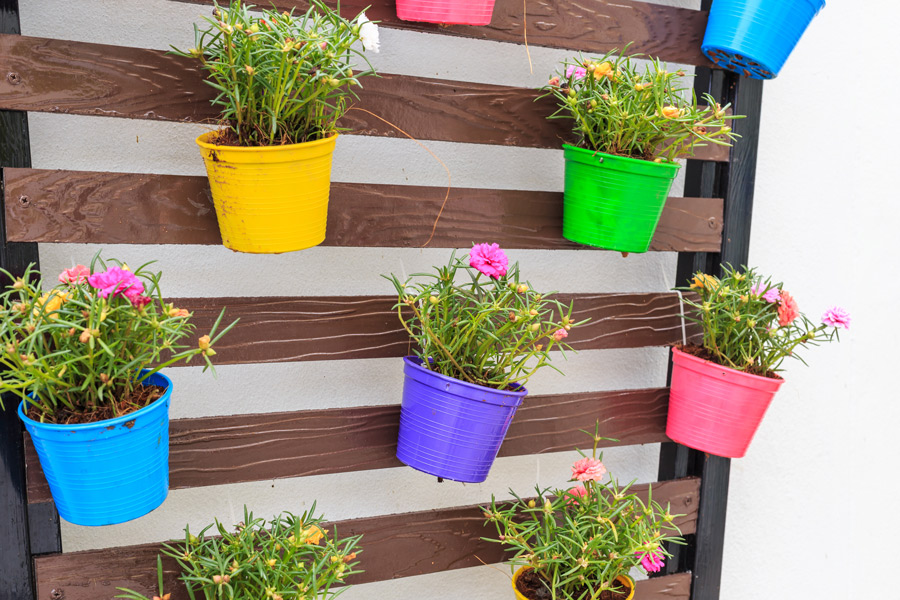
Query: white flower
{"points": [[368, 33]]}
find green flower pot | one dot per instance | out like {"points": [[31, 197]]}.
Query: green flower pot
{"points": [[613, 202]]}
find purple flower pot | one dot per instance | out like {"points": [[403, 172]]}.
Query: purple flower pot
{"points": [[450, 428]]}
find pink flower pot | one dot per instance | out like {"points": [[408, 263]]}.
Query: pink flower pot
{"points": [[716, 409], [450, 12]]}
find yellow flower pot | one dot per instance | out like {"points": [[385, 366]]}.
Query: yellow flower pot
{"points": [[625, 580], [270, 199]]}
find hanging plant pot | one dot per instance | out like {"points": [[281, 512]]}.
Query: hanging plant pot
{"points": [[755, 37], [716, 409], [447, 12], [624, 580], [450, 428], [613, 202], [270, 199], [110, 471]]}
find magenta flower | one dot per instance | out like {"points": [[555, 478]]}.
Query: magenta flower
{"points": [[77, 274], [489, 259], [560, 334], [770, 295], [580, 72], [837, 317], [588, 469], [140, 302], [651, 561], [117, 280]]}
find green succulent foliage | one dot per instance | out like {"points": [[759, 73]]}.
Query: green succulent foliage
{"points": [[619, 108], [281, 78]]}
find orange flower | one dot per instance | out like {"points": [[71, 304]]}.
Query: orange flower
{"points": [[313, 534], [671, 112], [602, 70], [702, 281], [178, 312]]}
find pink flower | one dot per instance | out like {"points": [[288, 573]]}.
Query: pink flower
{"points": [[579, 72], [651, 561], [837, 317], [560, 334], [772, 296], [139, 302], [77, 274], [787, 310], [489, 259], [117, 280], [588, 469], [575, 493]]}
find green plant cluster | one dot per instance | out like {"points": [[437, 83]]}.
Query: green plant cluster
{"points": [[751, 323], [581, 543], [620, 109], [288, 558], [488, 331], [281, 78], [74, 350]]}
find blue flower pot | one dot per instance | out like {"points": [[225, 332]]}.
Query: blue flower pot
{"points": [[111, 471], [450, 428], [755, 37]]}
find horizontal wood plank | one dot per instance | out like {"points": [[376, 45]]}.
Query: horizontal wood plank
{"points": [[393, 546], [288, 329], [668, 32], [254, 447], [125, 208], [48, 75]]}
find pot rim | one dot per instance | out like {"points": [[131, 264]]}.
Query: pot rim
{"points": [[687, 357], [106, 422], [201, 141], [628, 580], [416, 362], [625, 159]]}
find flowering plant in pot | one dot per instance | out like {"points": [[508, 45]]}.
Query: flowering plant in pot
{"points": [[283, 82], [481, 332], [446, 12], [581, 543], [631, 124], [85, 357], [288, 557], [754, 38], [721, 389]]}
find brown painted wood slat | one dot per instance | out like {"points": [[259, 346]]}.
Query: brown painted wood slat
{"points": [[255, 447], [96, 79], [668, 32], [288, 329], [126, 208], [428, 542]]}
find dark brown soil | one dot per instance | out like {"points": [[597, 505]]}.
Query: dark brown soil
{"points": [[142, 396], [703, 353], [533, 586]]}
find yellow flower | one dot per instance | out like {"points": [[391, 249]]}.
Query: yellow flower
{"points": [[50, 302], [703, 281]]}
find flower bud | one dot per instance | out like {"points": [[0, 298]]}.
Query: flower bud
{"points": [[434, 299], [271, 562], [531, 504], [85, 336], [254, 28], [217, 579], [19, 284], [536, 326], [203, 342], [522, 288], [250, 70]]}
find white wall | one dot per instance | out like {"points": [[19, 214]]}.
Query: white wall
{"points": [[810, 508], [807, 506]]}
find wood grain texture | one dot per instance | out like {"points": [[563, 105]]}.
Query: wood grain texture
{"points": [[126, 208], [599, 26], [287, 329], [255, 447], [95, 79], [394, 546]]}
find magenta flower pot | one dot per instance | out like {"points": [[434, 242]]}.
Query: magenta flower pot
{"points": [[716, 409], [449, 12], [450, 428]]}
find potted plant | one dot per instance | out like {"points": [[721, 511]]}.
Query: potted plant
{"points": [[290, 557], [446, 12], [480, 333], [721, 389], [755, 38], [283, 82], [631, 125], [86, 357], [581, 543]]}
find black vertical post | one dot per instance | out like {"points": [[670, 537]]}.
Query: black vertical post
{"points": [[735, 183], [16, 578]]}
